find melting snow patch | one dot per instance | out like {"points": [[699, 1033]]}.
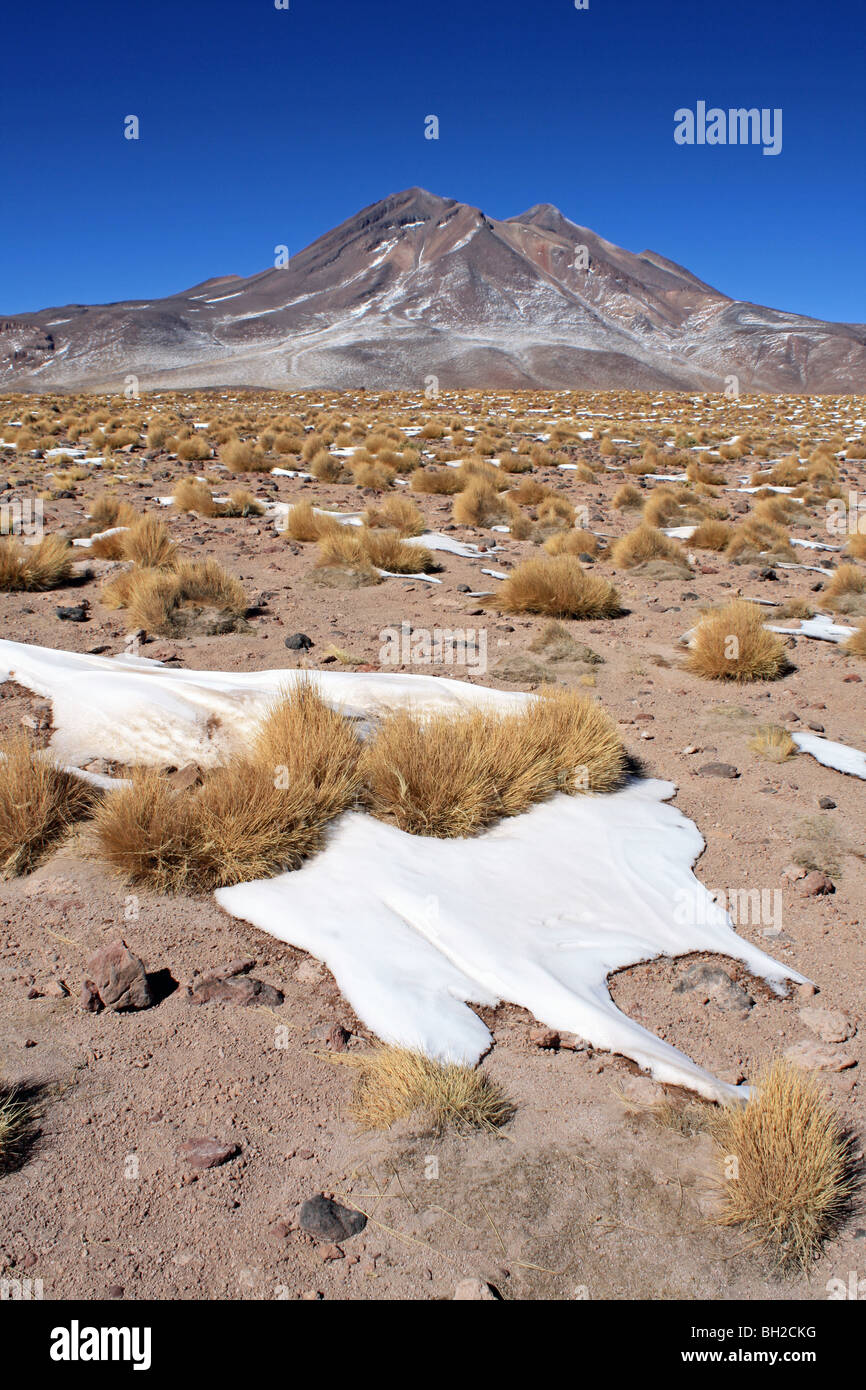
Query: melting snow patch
{"points": [[830, 754], [539, 910], [821, 626]]}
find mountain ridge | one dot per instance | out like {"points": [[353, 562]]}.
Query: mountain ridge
{"points": [[418, 285]]}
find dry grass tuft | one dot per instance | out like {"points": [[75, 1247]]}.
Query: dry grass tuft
{"points": [[362, 547], [856, 643], [453, 776], [17, 1124], [191, 495], [305, 523], [710, 535], [398, 514], [148, 543], [847, 581], [558, 587], [773, 742], [394, 1083], [794, 1171], [731, 643], [255, 817], [46, 565], [154, 598], [573, 542], [643, 544], [38, 804], [436, 481], [479, 504]]}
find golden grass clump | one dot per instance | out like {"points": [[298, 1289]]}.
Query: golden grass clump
{"points": [[256, 816], [107, 511], [787, 1163], [731, 643], [31, 568], [856, 546], [361, 547], [191, 495], [154, 598], [38, 804], [148, 543], [241, 503], [643, 544], [856, 643], [573, 542], [773, 742], [710, 535], [436, 481], [479, 504], [394, 1083], [847, 580], [306, 523], [396, 513], [558, 587], [449, 776]]}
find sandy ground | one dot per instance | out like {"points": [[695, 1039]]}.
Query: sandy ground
{"points": [[577, 1197]]}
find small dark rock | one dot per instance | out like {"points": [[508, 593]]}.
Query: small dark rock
{"points": [[463, 589], [299, 642], [826, 803], [718, 770], [321, 1216], [76, 613]]}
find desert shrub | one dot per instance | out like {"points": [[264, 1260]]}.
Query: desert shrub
{"points": [[627, 496], [396, 513], [557, 587], [191, 495], [394, 1083], [773, 742], [573, 542], [795, 1174], [643, 544], [39, 802], [451, 776], [710, 535], [732, 643], [46, 565], [256, 816], [479, 504]]}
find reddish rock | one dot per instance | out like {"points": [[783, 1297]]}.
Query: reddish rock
{"points": [[816, 884], [207, 1153], [544, 1037], [117, 978]]}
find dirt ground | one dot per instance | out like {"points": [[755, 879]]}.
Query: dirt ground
{"points": [[577, 1197]]}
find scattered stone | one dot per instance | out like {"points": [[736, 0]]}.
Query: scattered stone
{"points": [[852, 679], [716, 984], [207, 1153], [190, 775], [117, 978], [56, 989], [338, 1037], [718, 770], [826, 803], [807, 990], [815, 726], [831, 1025], [114, 1291], [793, 872], [326, 1219], [473, 1290], [74, 613], [815, 1056], [463, 589], [331, 1252], [308, 973], [816, 884], [298, 642], [230, 984], [544, 1037]]}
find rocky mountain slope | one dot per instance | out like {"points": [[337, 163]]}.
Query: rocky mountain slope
{"points": [[418, 286]]}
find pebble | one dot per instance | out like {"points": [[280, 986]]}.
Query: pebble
{"points": [[207, 1153], [323, 1217], [816, 884], [718, 770]]}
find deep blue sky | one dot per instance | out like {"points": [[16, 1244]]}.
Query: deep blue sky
{"points": [[261, 126]]}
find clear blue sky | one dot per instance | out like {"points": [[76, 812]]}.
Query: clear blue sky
{"points": [[261, 126]]}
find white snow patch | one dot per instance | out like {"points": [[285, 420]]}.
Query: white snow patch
{"points": [[836, 755]]}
